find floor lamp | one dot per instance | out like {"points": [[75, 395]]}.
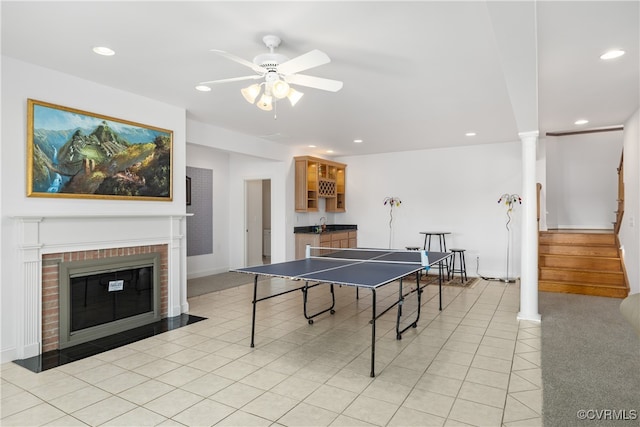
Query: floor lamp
{"points": [[510, 201], [391, 201]]}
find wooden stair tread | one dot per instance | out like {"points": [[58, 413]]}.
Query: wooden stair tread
{"points": [[580, 269], [570, 256], [581, 289]]}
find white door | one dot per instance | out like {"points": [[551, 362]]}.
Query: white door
{"points": [[253, 222]]}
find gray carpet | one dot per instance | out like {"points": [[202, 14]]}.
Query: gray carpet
{"points": [[590, 362], [217, 282]]}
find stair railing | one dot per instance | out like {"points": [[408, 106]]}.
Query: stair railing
{"points": [[620, 211]]}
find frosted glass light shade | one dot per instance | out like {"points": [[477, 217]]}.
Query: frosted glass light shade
{"points": [[294, 96], [280, 89], [250, 93], [265, 103]]}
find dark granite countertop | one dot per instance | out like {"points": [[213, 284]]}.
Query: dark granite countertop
{"points": [[329, 228]]}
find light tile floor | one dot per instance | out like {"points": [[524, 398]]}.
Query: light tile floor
{"points": [[471, 364]]}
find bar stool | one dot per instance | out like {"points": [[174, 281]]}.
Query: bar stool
{"points": [[462, 269]]}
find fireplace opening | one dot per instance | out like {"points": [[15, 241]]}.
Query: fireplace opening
{"points": [[102, 297]]}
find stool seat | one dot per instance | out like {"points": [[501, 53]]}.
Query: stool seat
{"points": [[412, 248], [462, 269]]}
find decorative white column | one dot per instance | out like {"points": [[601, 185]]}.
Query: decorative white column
{"points": [[29, 327], [529, 253], [177, 303]]}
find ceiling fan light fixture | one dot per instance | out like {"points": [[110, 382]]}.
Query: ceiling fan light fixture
{"points": [[250, 93], [280, 89], [294, 96], [278, 73], [265, 103]]}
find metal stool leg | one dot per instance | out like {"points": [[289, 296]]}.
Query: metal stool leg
{"points": [[464, 266], [443, 248], [453, 267]]}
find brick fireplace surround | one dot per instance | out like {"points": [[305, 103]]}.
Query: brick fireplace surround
{"points": [[45, 241], [50, 284]]}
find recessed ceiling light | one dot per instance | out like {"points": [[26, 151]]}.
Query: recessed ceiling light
{"points": [[470, 134], [329, 151], [581, 122], [611, 54], [311, 146], [203, 88], [357, 141], [104, 51]]}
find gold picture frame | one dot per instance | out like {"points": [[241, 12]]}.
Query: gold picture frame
{"points": [[76, 154]]}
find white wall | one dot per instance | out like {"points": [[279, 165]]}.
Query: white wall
{"points": [[630, 229], [454, 189], [244, 168], [21, 81], [218, 161], [248, 159], [582, 180]]}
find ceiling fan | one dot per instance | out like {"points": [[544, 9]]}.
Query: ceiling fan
{"points": [[278, 73]]}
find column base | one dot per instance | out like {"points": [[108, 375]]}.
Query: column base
{"points": [[531, 317]]}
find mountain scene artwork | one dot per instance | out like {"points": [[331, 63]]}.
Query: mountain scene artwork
{"points": [[77, 154]]}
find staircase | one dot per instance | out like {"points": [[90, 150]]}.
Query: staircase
{"points": [[586, 263]]}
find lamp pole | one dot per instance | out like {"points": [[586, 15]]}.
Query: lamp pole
{"points": [[392, 201], [510, 201]]}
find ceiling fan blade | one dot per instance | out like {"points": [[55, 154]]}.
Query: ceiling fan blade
{"points": [[254, 67], [303, 62], [232, 79], [314, 82]]}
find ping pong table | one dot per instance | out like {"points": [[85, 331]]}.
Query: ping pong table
{"points": [[361, 268]]}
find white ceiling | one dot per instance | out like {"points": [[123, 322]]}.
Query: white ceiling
{"points": [[416, 74]]}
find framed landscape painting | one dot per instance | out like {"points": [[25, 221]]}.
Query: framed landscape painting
{"points": [[76, 154]]}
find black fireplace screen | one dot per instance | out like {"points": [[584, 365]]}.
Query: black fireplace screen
{"points": [[102, 298]]}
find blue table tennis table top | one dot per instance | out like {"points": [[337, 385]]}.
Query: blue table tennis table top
{"points": [[365, 268]]}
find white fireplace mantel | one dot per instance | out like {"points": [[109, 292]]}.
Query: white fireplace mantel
{"points": [[44, 234]]}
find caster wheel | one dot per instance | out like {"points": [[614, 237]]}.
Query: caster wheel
{"points": [[415, 325], [399, 336], [333, 312], [311, 321]]}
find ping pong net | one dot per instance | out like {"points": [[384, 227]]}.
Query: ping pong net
{"points": [[370, 255]]}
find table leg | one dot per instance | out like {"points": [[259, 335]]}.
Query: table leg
{"points": [[440, 284], [255, 297], [373, 333]]}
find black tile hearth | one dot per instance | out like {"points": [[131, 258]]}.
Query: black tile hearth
{"points": [[54, 358]]}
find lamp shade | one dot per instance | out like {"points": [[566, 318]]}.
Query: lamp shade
{"points": [[250, 93], [280, 89], [294, 96], [265, 103]]}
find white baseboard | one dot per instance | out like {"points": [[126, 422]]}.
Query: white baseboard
{"points": [[203, 273], [8, 355]]}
